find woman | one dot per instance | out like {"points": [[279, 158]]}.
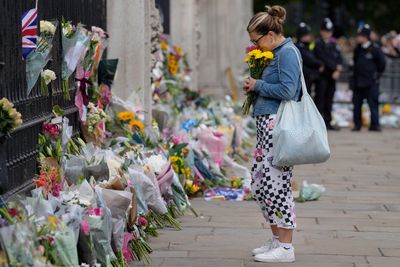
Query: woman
{"points": [[280, 81]]}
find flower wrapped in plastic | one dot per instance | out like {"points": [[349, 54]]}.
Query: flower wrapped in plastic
{"points": [[18, 240], [59, 242], [74, 42], [118, 202], [100, 222], [37, 60]]}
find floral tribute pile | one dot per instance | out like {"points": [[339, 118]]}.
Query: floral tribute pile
{"points": [[99, 197]]}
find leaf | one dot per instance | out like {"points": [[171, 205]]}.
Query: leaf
{"points": [[58, 111]]}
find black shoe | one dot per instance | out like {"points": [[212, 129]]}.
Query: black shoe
{"points": [[356, 129], [375, 129], [332, 128]]}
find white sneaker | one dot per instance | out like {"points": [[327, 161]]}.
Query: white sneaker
{"points": [[271, 244], [276, 255]]}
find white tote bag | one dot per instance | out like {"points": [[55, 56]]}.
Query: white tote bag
{"points": [[300, 135]]}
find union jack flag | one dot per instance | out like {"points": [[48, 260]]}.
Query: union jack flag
{"points": [[29, 32]]}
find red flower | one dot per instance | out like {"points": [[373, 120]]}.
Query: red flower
{"points": [[13, 212], [51, 129], [142, 221]]}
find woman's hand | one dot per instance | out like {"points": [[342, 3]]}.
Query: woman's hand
{"points": [[249, 84]]}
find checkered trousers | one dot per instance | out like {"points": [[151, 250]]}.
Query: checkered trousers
{"points": [[271, 184]]}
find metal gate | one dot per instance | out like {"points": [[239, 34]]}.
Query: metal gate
{"points": [[20, 151]]}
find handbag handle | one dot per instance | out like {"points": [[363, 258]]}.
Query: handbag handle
{"points": [[303, 82]]}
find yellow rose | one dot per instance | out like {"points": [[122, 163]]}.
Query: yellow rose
{"points": [[164, 45], [189, 183], [268, 55], [17, 123], [254, 52], [246, 59], [188, 172], [195, 188], [7, 105]]}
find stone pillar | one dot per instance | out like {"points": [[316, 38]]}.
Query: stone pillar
{"points": [[223, 41], [184, 32], [128, 23]]}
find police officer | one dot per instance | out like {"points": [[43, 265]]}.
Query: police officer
{"points": [[369, 63], [327, 51], [311, 65]]}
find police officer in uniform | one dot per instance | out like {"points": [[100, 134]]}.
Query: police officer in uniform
{"points": [[369, 63], [327, 51], [311, 65]]}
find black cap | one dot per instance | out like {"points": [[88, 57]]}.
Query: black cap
{"points": [[327, 25], [302, 30], [364, 30]]}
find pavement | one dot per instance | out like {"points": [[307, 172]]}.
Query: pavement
{"points": [[356, 223]]}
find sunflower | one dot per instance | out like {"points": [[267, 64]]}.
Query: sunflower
{"points": [[137, 124], [126, 116]]}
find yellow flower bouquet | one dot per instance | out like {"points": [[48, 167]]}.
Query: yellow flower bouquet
{"points": [[10, 118], [257, 61]]}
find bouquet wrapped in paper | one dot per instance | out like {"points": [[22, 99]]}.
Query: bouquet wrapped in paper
{"points": [[118, 202]]}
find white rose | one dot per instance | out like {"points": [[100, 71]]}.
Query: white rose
{"points": [[48, 76], [47, 26], [157, 163]]}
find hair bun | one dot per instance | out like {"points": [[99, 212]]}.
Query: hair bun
{"points": [[278, 12]]}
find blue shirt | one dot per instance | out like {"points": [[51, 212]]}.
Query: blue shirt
{"points": [[280, 80]]}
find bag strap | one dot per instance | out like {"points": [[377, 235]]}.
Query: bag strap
{"points": [[303, 82]]}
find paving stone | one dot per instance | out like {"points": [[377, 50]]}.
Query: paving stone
{"points": [[355, 223]]}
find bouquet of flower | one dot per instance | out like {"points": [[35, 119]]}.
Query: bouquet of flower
{"points": [[51, 182], [94, 127], [257, 61], [59, 242], [10, 118], [129, 122], [74, 42], [46, 76], [36, 60]]}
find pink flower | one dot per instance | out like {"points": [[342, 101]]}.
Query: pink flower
{"points": [[95, 212], [85, 227], [175, 140], [268, 202], [142, 221], [218, 134], [125, 250], [257, 153], [105, 94], [271, 125], [250, 48], [56, 189]]}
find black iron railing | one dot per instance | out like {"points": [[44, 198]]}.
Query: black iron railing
{"points": [[21, 149]]}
